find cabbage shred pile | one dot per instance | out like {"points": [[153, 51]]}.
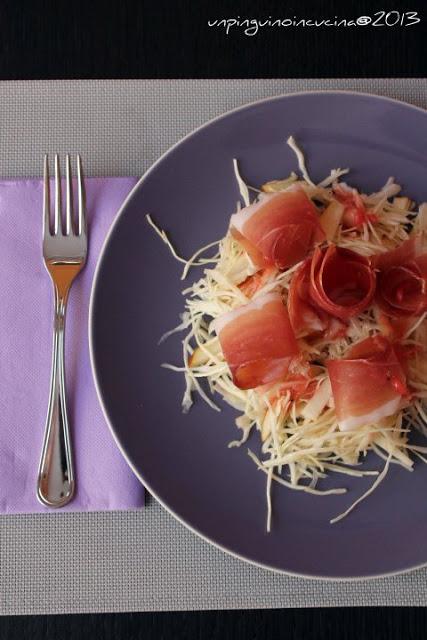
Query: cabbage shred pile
{"points": [[300, 440]]}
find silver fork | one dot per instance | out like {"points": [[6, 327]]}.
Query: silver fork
{"points": [[64, 253]]}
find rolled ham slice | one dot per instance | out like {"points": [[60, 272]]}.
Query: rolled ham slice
{"points": [[279, 229], [257, 341], [368, 384], [402, 291], [342, 282], [402, 279], [306, 319], [404, 253], [327, 290]]}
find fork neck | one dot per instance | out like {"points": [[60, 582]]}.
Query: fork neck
{"points": [[63, 274]]}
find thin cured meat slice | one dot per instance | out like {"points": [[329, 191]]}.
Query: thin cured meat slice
{"points": [[402, 279], [368, 384], [414, 249], [404, 253], [306, 319], [257, 341], [257, 280], [342, 282], [402, 291], [296, 386], [278, 230], [355, 213]]}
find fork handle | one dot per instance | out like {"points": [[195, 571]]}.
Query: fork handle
{"points": [[55, 485]]}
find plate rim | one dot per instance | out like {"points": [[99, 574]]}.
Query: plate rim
{"points": [[91, 330]]}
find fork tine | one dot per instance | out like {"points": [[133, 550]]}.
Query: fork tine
{"points": [[69, 198], [46, 197], [81, 196], [57, 217]]}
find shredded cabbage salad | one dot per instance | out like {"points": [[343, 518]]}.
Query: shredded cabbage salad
{"points": [[300, 440]]}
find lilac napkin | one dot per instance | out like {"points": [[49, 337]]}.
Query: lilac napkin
{"points": [[104, 481]]}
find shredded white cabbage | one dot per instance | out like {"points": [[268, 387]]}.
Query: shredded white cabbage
{"points": [[243, 188], [191, 262], [300, 439], [375, 484], [301, 160]]}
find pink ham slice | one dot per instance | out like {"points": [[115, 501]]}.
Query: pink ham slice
{"points": [[342, 282], [404, 253], [306, 319], [257, 341], [279, 229], [402, 279], [368, 384], [328, 289]]}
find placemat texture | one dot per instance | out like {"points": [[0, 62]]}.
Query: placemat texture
{"points": [[145, 561]]}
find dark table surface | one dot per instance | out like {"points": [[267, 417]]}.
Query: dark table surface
{"points": [[172, 39]]}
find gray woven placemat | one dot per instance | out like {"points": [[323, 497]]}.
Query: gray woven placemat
{"points": [[61, 563]]}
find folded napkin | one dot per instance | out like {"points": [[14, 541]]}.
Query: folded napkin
{"points": [[103, 479]]}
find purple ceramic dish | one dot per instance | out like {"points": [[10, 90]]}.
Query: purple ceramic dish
{"points": [[183, 459]]}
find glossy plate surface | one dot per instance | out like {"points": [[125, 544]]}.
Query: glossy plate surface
{"points": [[183, 459]]}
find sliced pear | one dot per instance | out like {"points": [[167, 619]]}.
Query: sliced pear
{"points": [[420, 223], [199, 356], [331, 218], [278, 185], [266, 425], [318, 401], [402, 203]]}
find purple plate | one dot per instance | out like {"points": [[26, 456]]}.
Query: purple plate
{"points": [[183, 459]]}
